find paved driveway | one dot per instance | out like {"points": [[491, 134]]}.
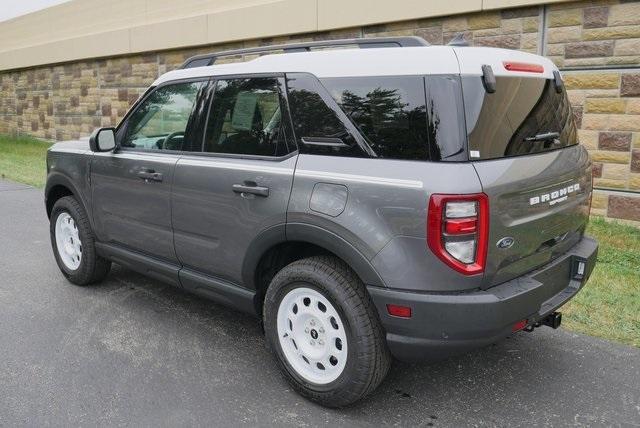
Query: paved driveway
{"points": [[132, 351]]}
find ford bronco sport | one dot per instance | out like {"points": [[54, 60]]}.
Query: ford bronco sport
{"points": [[405, 199]]}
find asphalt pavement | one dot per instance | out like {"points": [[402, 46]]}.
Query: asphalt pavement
{"points": [[132, 351]]}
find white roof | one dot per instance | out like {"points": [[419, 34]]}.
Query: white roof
{"points": [[375, 62]]}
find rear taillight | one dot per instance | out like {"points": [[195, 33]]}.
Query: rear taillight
{"points": [[458, 229], [523, 66]]}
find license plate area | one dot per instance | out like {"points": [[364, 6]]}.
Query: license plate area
{"points": [[561, 282], [579, 268]]}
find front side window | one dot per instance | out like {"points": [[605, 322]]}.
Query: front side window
{"points": [[389, 112], [246, 118], [161, 122]]}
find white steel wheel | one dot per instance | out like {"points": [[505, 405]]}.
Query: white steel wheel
{"points": [[312, 336], [68, 241]]}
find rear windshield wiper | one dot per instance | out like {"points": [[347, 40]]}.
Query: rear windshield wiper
{"points": [[544, 137]]}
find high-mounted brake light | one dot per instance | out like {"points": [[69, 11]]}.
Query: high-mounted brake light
{"points": [[523, 66], [458, 229]]}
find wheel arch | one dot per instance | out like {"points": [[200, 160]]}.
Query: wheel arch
{"points": [[59, 186], [273, 249]]}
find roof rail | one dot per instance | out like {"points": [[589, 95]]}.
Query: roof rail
{"points": [[362, 43]]}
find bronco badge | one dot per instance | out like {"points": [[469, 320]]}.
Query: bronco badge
{"points": [[556, 196]]}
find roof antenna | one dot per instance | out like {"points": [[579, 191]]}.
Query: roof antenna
{"points": [[458, 40]]}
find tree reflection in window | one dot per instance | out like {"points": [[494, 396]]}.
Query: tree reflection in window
{"points": [[314, 118], [389, 112]]}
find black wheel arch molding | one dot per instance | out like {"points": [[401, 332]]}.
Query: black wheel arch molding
{"points": [[305, 233], [59, 180]]}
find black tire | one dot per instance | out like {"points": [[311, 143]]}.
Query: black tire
{"points": [[368, 357], [92, 268]]}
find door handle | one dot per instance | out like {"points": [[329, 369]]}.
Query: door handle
{"points": [[150, 175], [253, 189]]}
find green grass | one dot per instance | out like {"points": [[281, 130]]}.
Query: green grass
{"points": [[23, 159], [609, 305]]}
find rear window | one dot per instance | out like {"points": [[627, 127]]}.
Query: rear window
{"points": [[524, 116]]}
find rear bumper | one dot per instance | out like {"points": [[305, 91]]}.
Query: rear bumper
{"points": [[445, 324]]}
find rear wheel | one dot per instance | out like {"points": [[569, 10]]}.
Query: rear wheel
{"points": [[74, 244], [324, 331], [312, 335]]}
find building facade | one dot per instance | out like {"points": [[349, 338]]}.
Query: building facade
{"points": [[80, 65]]}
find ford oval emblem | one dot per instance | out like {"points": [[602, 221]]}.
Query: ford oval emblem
{"points": [[506, 242]]}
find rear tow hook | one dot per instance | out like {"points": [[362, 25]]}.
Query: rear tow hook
{"points": [[552, 320]]}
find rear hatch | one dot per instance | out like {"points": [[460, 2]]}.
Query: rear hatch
{"points": [[523, 144]]}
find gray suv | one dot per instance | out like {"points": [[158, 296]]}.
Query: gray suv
{"points": [[387, 198]]}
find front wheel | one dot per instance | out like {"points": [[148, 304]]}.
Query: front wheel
{"points": [[74, 244], [324, 331]]}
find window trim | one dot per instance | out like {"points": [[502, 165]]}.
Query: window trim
{"points": [[121, 128], [240, 157], [284, 104]]}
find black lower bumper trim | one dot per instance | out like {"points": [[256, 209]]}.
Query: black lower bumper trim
{"points": [[445, 324]]}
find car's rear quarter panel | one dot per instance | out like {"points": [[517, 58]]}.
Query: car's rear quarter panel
{"points": [[385, 213]]}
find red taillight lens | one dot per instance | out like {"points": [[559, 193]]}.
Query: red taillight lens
{"points": [[461, 226], [458, 230], [399, 311], [523, 66]]}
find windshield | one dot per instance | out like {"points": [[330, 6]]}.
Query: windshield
{"points": [[524, 116]]}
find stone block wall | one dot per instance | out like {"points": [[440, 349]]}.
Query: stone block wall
{"points": [[594, 33], [595, 43]]}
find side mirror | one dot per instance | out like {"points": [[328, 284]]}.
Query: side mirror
{"points": [[103, 140]]}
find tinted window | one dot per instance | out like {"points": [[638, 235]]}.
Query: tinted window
{"points": [[246, 118], [316, 119], [389, 112], [446, 119], [523, 116], [161, 122]]}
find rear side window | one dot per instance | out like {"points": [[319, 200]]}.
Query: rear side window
{"points": [[524, 116], [389, 112], [246, 118], [316, 119]]}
